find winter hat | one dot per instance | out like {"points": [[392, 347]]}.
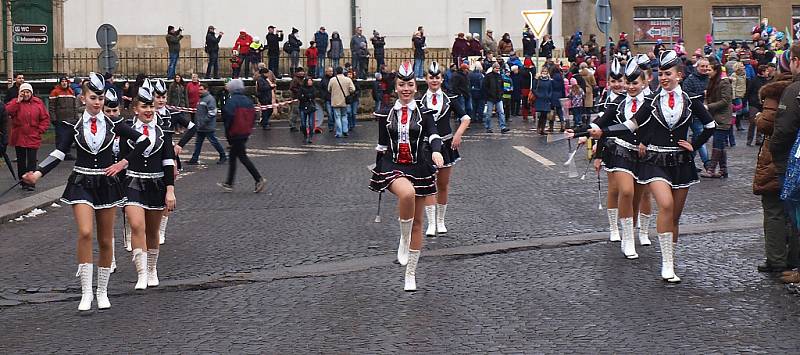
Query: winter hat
{"points": [[26, 86], [783, 63], [235, 85]]}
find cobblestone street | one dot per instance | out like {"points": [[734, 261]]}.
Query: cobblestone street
{"points": [[525, 267]]}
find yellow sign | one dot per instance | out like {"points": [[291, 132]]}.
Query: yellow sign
{"points": [[538, 20]]}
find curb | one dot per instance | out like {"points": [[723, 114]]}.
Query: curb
{"points": [[22, 206]]}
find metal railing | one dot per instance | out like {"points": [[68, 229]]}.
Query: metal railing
{"points": [[155, 63]]}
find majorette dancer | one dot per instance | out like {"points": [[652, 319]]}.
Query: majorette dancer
{"points": [[150, 189], [666, 161], [93, 188], [444, 109], [405, 168], [169, 120]]}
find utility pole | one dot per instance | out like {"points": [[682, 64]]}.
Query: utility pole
{"points": [[9, 43]]}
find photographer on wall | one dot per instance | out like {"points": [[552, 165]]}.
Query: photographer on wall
{"points": [[174, 44]]}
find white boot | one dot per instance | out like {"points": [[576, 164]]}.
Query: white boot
{"points": [[113, 255], [430, 216], [667, 257], [140, 259], [85, 273], [126, 235], [440, 212], [162, 229], [628, 244], [411, 271], [103, 274], [405, 240], [613, 215], [152, 271], [644, 229]]}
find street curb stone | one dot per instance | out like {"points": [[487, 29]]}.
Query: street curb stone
{"points": [[19, 207]]}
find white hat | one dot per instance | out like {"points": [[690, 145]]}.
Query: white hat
{"points": [[26, 86]]}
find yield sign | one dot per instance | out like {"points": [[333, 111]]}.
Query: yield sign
{"points": [[537, 20]]}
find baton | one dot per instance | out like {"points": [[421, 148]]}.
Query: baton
{"points": [[11, 188], [8, 163]]}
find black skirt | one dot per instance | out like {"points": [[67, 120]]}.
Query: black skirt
{"points": [[422, 175], [675, 168], [96, 190], [450, 155], [622, 157], [147, 193]]}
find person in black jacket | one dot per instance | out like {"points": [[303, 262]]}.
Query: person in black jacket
{"points": [[378, 43], [459, 85], [547, 47], [13, 91], [325, 95], [528, 44], [493, 93], [307, 93], [212, 48], [754, 102], [273, 48]]}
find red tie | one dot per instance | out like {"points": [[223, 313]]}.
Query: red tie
{"points": [[434, 99], [404, 153], [671, 100], [93, 126], [145, 131], [633, 106]]}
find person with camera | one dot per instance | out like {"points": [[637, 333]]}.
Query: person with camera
{"points": [[378, 45], [273, 48], [174, 43], [212, 49], [292, 47]]}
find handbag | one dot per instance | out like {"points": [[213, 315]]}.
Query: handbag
{"points": [[532, 93], [348, 99]]}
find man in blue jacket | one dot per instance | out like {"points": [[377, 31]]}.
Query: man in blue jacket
{"points": [[206, 118], [239, 115], [321, 38]]}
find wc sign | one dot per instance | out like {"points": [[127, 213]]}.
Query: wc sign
{"points": [[30, 34]]}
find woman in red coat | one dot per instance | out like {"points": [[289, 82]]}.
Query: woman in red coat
{"points": [[29, 119]]}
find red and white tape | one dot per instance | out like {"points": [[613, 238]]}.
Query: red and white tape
{"points": [[257, 107]]}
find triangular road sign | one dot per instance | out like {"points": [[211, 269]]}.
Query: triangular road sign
{"points": [[538, 20]]}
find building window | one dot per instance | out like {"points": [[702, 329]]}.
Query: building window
{"points": [[651, 24], [729, 23]]}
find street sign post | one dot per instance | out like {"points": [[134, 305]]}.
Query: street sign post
{"points": [[107, 38], [602, 13], [537, 22], [107, 61]]}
